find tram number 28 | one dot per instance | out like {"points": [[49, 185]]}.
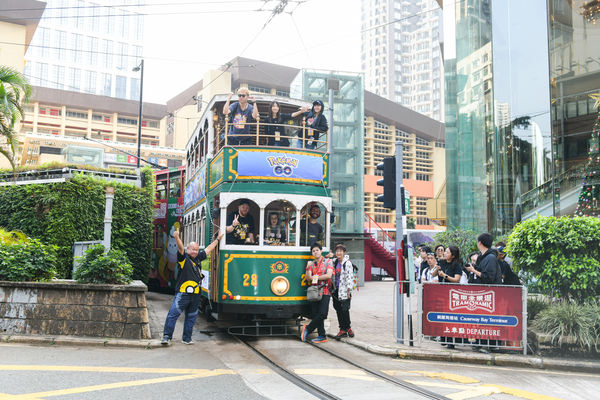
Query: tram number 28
{"points": [[250, 280]]}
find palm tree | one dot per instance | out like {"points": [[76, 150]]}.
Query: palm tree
{"points": [[14, 89]]}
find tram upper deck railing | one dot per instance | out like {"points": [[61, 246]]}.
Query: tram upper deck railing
{"points": [[282, 135]]}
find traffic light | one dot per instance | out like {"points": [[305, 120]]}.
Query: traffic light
{"points": [[388, 166]]}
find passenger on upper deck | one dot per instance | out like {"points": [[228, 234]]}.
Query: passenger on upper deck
{"points": [[275, 117], [242, 114], [316, 123], [240, 225]]}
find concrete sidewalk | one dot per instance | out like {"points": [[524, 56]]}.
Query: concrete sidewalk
{"points": [[372, 316], [372, 321]]}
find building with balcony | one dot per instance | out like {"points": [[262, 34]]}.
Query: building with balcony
{"points": [[81, 128]]}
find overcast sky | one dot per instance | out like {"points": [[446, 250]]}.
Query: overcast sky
{"points": [[191, 38]]}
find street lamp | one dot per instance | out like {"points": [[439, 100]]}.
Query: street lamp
{"points": [[141, 69]]}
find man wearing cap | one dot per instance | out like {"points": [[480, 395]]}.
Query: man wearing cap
{"points": [[508, 275], [240, 225], [316, 123]]}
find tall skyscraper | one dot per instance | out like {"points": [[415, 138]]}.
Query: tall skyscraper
{"points": [[401, 55], [88, 46]]}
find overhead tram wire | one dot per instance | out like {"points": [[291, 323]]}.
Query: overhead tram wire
{"points": [[160, 13], [107, 53], [131, 5], [361, 32]]}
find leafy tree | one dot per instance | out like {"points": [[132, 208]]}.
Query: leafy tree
{"points": [[13, 90], [562, 255], [464, 239]]}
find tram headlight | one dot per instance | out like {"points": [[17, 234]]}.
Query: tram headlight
{"points": [[280, 285]]}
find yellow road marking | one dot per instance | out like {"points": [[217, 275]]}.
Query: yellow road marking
{"points": [[68, 368], [522, 393], [116, 385], [479, 390], [435, 375], [5, 396], [337, 373]]}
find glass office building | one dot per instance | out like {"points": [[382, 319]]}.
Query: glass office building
{"points": [[347, 141], [518, 113]]}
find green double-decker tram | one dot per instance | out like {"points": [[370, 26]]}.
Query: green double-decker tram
{"points": [[276, 201]]}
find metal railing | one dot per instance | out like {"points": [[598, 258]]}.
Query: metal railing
{"points": [[290, 136], [543, 193], [372, 229]]}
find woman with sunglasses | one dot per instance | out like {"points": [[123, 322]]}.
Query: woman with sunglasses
{"points": [[242, 113]]}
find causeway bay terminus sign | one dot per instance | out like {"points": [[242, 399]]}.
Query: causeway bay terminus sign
{"points": [[279, 165], [472, 311]]}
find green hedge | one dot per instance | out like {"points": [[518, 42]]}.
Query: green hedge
{"points": [[28, 260], [73, 211], [561, 255], [97, 267]]}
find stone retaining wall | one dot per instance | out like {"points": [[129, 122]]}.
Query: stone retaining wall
{"points": [[67, 308]]}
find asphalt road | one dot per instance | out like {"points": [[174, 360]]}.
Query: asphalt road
{"points": [[218, 366]]}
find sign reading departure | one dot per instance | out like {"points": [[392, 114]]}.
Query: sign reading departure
{"points": [[472, 311]]}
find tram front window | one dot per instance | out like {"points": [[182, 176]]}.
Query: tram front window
{"points": [[240, 222], [311, 225], [278, 228]]}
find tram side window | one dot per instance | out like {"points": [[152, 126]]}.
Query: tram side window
{"points": [[312, 222], [175, 186], [279, 228], [240, 225], [161, 190]]}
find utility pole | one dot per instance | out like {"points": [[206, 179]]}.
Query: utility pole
{"points": [[399, 237]]}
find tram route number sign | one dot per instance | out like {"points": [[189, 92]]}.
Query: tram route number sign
{"points": [[472, 311]]}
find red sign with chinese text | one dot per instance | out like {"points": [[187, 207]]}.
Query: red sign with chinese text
{"points": [[473, 311]]}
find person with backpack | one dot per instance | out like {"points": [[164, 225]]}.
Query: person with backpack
{"points": [[319, 273], [242, 113], [342, 290]]}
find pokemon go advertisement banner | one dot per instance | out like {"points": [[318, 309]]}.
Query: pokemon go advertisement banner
{"points": [[195, 190], [472, 311], [296, 166]]}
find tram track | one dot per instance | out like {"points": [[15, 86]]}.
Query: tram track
{"points": [[321, 393], [291, 376], [408, 386]]}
